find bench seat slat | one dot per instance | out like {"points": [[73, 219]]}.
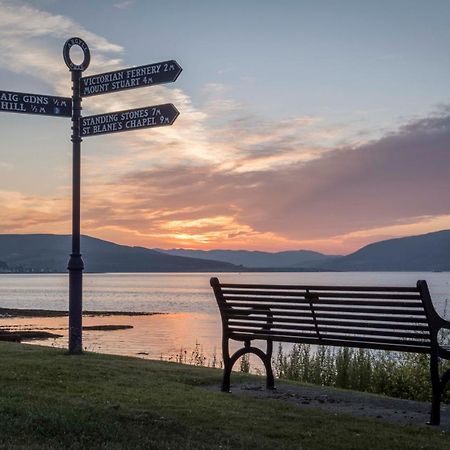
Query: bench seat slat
{"points": [[325, 294], [366, 317], [323, 331], [321, 288], [324, 301], [359, 324], [370, 345], [413, 320], [317, 308], [337, 338]]}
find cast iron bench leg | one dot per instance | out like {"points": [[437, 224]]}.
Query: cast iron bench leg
{"points": [[270, 383], [435, 416]]}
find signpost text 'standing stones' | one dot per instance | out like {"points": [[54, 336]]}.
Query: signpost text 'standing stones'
{"points": [[47, 105], [133, 77], [131, 119]]}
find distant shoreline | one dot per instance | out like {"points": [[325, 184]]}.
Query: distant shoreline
{"points": [[6, 313], [243, 271]]}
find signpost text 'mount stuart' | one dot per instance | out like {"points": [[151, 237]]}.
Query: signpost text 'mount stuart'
{"points": [[133, 77], [131, 119]]}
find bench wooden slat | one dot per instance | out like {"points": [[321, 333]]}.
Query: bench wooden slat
{"points": [[394, 345], [323, 331], [390, 311], [359, 324], [333, 337], [322, 288], [366, 317], [325, 301], [413, 320], [325, 294]]}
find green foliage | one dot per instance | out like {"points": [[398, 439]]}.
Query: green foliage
{"points": [[197, 357], [404, 375], [244, 365]]}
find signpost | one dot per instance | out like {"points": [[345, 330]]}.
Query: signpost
{"points": [[130, 119], [48, 105], [133, 77], [75, 264], [127, 120]]}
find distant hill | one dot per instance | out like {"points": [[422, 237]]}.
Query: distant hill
{"points": [[47, 252], [50, 253], [294, 259], [426, 252]]}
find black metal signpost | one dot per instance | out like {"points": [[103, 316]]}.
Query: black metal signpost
{"points": [[127, 120], [76, 265]]}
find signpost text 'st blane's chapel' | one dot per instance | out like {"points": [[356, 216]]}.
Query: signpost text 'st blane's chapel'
{"points": [[113, 122]]}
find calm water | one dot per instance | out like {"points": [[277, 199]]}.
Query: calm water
{"points": [[192, 315]]}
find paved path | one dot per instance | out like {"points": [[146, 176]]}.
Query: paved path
{"points": [[346, 402]]}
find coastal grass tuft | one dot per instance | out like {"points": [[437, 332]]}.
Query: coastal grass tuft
{"points": [[402, 375], [396, 374], [51, 400]]}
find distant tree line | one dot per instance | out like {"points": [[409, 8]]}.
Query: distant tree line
{"points": [[5, 268]]}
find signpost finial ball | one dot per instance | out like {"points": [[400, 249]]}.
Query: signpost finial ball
{"points": [[66, 53]]}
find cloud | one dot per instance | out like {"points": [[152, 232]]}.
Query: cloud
{"points": [[220, 130], [347, 196], [32, 214], [397, 185], [32, 39], [6, 166], [124, 4]]}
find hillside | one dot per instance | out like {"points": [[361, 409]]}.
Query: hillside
{"points": [[300, 259], [426, 252], [47, 252], [50, 253]]}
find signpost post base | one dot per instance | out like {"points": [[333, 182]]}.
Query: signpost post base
{"points": [[75, 267]]}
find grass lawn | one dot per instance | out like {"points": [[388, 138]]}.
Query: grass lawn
{"points": [[51, 400]]}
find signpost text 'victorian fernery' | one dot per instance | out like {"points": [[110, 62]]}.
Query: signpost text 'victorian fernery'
{"points": [[133, 77], [113, 122]]}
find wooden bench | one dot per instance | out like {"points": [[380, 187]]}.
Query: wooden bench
{"points": [[400, 319]]}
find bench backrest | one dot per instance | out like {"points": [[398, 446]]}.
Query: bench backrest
{"points": [[390, 318]]}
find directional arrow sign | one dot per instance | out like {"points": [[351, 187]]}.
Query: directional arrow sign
{"points": [[133, 77], [130, 119], [48, 105]]}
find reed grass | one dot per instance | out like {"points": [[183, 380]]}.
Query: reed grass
{"points": [[402, 375]]}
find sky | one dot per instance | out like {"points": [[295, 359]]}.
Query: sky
{"points": [[307, 124]]}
